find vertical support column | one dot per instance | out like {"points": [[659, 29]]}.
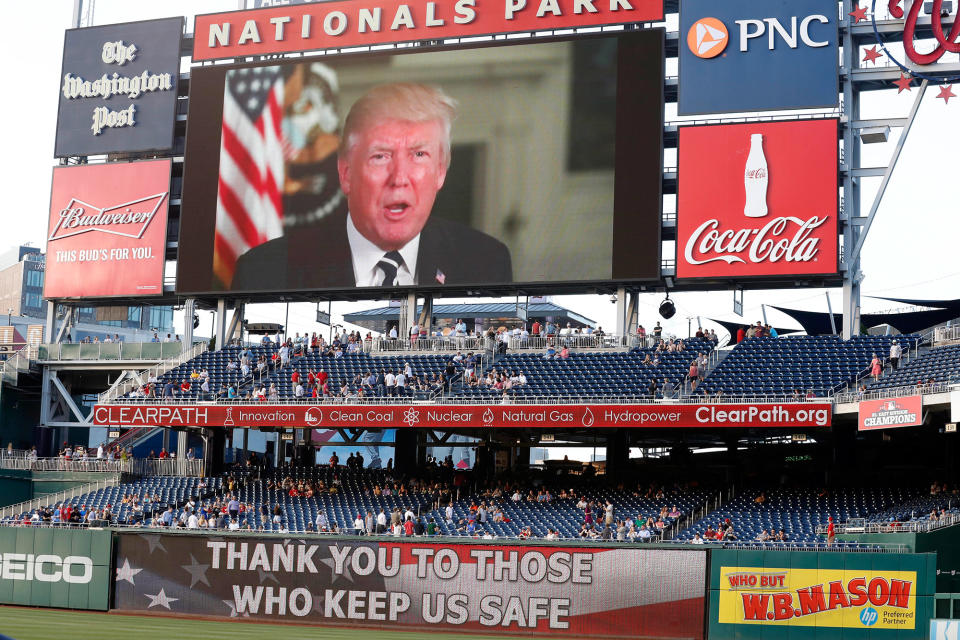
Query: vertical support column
{"points": [[426, 314], [621, 328], [50, 333], [633, 312], [221, 323], [188, 308], [182, 444], [408, 315], [851, 187]]}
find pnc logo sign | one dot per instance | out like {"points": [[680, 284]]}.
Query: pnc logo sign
{"points": [[708, 38], [758, 55]]}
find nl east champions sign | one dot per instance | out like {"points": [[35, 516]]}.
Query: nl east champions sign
{"points": [[118, 88]]}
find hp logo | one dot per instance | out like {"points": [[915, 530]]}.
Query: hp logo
{"points": [[868, 617]]}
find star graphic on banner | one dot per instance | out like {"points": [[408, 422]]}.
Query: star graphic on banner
{"points": [[317, 604], [126, 572], [903, 83], [154, 542], [264, 575], [333, 573], [859, 14], [197, 571], [871, 54], [233, 609], [160, 600], [946, 92]]}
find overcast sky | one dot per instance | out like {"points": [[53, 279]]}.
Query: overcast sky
{"points": [[911, 251]]}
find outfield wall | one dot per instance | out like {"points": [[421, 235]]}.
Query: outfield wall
{"points": [[53, 567], [550, 590]]}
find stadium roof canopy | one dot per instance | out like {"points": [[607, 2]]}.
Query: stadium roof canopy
{"points": [[475, 315]]}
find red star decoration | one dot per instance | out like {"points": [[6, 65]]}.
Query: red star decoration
{"points": [[859, 14], [903, 83], [871, 54], [946, 92]]}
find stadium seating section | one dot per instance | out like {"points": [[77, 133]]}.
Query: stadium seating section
{"points": [[940, 364], [756, 367], [796, 511], [782, 366]]}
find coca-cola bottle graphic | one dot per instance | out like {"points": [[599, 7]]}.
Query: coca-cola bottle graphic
{"points": [[755, 179]]}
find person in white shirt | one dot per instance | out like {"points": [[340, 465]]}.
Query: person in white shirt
{"points": [[100, 452], [448, 512], [390, 380], [358, 524], [696, 539], [397, 530], [299, 390], [381, 522], [401, 383], [193, 522], [393, 333], [408, 514]]}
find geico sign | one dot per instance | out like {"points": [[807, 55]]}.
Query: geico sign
{"points": [[707, 38], [46, 568]]}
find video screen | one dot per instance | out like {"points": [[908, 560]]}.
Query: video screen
{"points": [[493, 166]]}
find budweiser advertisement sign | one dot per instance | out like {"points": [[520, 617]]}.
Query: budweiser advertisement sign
{"points": [[108, 230], [758, 199], [891, 412], [473, 416], [289, 28]]}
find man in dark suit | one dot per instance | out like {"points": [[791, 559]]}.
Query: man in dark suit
{"points": [[392, 161]]}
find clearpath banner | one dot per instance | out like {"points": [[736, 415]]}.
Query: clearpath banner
{"points": [[551, 590], [811, 414]]}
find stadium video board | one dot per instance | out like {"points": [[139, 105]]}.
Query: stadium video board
{"points": [[764, 200], [491, 166], [107, 230]]}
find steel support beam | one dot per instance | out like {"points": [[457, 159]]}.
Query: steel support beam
{"points": [[68, 400], [220, 329], [188, 308]]}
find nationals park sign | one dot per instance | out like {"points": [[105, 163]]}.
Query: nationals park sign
{"points": [[399, 416], [357, 23]]}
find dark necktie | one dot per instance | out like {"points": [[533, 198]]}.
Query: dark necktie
{"points": [[389, 264]]}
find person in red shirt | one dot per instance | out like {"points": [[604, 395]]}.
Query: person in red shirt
{"points": [[741, 334], [185, 386], [408, 527], [831, 531], [535, 329], [322, 377], [295, 377], [163, 454], [311, 378]]}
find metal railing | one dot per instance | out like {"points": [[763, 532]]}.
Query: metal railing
{"points": [[913, 526], [514, 343], [516, 400], [18, 363], [73, 351], [156, 371], [60, 496], [139, 466], [946, 335], [895, 392]]}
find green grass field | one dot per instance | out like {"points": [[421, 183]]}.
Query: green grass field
{"points": [[55, 624]]}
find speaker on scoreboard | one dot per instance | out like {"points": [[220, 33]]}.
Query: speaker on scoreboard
{"points": [[667, 308]]}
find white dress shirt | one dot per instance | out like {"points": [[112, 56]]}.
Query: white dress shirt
{"points": [[366, 255]]}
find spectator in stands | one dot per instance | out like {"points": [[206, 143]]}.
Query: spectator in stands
{"points": [[657, 331], [876, 368], [895, 352], [667, 389], [694, 375], [652, 388], [564, 352]]}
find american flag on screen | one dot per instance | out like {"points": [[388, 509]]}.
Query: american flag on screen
{"points": [[252, 153]]}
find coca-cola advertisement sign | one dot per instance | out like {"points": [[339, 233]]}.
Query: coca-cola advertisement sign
{"points": [[577, 416], [758, 199], [108, 229]]}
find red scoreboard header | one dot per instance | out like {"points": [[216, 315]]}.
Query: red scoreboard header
{"points": [[356, 23]]}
